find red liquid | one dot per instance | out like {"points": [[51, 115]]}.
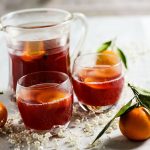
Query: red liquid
{"points": [[41, 109], [38, 56], [100, 87]]}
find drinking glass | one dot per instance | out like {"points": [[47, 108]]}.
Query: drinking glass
{"points": [[98, 81], [39, 40], [45, 99]]}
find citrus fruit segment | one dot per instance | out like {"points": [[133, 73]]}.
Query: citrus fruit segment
{"points": [[92, 76], [33, 50], [50, 95]]}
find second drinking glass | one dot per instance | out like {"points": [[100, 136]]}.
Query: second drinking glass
{"points": [[45, 99], [98, 80]]}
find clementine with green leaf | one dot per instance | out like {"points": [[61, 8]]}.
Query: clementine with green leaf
{"points": [[134, 120], [135, 124], [108, 49]]}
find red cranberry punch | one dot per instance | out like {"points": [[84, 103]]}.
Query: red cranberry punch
{"points": [[39, 40], [98, 80], [45, 99]]}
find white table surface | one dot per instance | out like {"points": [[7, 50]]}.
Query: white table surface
{"points": [[133, 36]]}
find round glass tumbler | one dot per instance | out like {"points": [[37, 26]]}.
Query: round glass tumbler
{"points": [[45, 99], [98, 81]]}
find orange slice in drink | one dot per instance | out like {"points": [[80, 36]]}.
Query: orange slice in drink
{"points": [[50, 95], [28, 95], [58, 98], [33, 50], [100, 73], [96, 83], [98, 77], [92, 82]]}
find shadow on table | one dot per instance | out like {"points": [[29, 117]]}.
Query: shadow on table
{"points": [[123, 143]]}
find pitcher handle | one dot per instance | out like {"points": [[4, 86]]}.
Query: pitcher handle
{"points": [[78, 48]]}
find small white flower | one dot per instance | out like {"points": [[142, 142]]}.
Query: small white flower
{"points": [[48, 135], [40, 138], [35, 135], [37, 143]]}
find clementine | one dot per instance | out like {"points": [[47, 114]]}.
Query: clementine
{"points": [[3, 115], [109, 58], [135, 124]]}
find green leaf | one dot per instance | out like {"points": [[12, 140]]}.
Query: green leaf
{"points": [[130, 108], [123, 57], [124, 108], [145, 100], [140, 90], [104, 46], [143, 96], [103, 131], [120, 113]]}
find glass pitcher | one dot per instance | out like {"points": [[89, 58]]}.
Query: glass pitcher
{"points": [[39, 40]]}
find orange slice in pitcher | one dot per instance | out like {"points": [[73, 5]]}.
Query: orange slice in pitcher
{"points": [[33, 50]]}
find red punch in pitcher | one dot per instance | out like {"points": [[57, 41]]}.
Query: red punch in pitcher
{"points": [[39, 40]]}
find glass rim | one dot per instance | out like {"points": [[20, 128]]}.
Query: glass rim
{"points": [[65, 21], [76, 62], [34, 73], [104, 82]]}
